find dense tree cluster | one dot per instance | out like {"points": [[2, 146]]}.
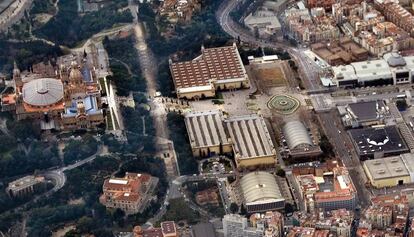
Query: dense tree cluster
{"points": [[25, 54], [134, 120], [80, 149], [124, 80], [237, 14], [20, 161], [186, 161], [178, 210], [83, 183], [40, 218], [401, 104], [21, 152], [69, 28], [186, 40], [42, 6]]}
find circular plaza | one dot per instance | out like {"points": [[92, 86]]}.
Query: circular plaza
{"points": [[283, 104]]}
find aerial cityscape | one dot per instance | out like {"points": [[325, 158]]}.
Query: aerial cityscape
{"points": [[206, 118]]}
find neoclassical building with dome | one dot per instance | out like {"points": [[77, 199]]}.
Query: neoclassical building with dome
{"points": [[68, 100]]}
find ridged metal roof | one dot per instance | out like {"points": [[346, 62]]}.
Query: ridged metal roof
{"points": [[296, 134], [42, 92], [259, 186]]}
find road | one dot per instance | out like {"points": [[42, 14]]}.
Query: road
{"points": [[146, 59], [225, 199], [344, 150], [58, 176], [309, 71], [149, 66]]}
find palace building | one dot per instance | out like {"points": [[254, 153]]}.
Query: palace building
{"points": [[68, 100]]}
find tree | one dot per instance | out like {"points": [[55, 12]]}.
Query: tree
{"points": [[289, 208], [243, 210], [85, 224], [179, 210], [234, 207], [401, 104], [280, 172], [326, 145]]}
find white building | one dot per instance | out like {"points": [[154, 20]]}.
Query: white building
{"points": [[261, 192], [235, 225], [266, 23], [393, 69]]}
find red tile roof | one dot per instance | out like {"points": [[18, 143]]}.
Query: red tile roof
{"points": [[213, 64]]}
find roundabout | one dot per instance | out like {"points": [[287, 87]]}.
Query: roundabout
{"points": [[283, 104]]}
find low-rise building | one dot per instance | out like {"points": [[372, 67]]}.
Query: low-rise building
{"points": [[210, 133], [301, 232], [215, 69], [269, 224], [129, 193], [391, 171], [377, 142], [364, 114], [393, 69], [367, 26], [299, 142], [207, 197], [395, 13], [203, 230], [206, 133], [177, 11], [387, 216], [24, 186], [329, 188], [263, 23], [252, 144], [167, 229], [326, 4], [340, 52], [261, 192], [336, 222], [311, 29]]}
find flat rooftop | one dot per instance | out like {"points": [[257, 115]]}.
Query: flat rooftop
{"points": [[386, 168], [203, 230], [372, 69], [378, 139], [250, 136], [23, 183], [366, 110], [205, 129], [344, 72]]}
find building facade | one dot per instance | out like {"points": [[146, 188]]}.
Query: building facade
{"points": [[24, 186], [128, 194]]}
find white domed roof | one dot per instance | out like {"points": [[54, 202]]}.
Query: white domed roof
{"points": [[394, 59], [43, 92]]}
